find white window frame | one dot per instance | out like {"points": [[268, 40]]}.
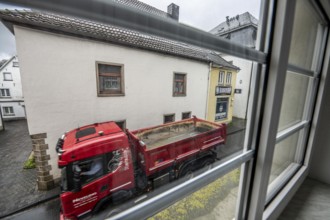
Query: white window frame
{"points": [[272, 64], [221, 77], [5, 93], [229, 77], [8, 111]]}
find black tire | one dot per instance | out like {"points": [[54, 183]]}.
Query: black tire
{"points": [[207, 163], [113, 212], [186, 173]]}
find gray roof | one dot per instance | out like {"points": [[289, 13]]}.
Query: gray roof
{"points": [[235, 23], [4, 63], [109, 33], [143, 6]]}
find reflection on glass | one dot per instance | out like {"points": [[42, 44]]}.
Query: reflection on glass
{"points": [[304, 35], [284, 155], [294, 97], [215, 201]]}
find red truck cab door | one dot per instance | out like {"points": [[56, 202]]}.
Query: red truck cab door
{"points": [[100, 177]]}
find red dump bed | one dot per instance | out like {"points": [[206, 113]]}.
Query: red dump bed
{"points": [[158, 147]]}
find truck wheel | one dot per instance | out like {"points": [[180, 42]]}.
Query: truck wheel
{"points": [[186, 173], [113, 212], [207, 163]]}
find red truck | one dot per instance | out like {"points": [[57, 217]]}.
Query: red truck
{"points": [[100, 163]]}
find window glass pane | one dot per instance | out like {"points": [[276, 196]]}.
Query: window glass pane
{"points": [[294, 98], [7, 76], [304, 35], [285, 154], [221, 111], [214, 201], [90, 170], [103, 59], [103, 68]]}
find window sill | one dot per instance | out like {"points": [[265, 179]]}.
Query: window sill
{"points": [[183, 95], [110, 95]]}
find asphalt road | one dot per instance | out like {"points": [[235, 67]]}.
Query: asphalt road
{"points": [[50, 210]]}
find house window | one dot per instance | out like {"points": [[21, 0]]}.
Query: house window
{"points": [[221, 111], [221, 77], [121, 124], [7, 76], [179, 84], [15, 64], [186, 115], [228, 78], [4, 93], [8, 111], [169, 118], [110, 79]]}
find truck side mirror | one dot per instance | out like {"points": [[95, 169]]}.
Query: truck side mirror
{"points": [[76, 178]]}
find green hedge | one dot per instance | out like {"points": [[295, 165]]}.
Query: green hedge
{"points": [[201, 202]]}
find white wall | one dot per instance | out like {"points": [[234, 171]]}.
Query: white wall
{"points": [[59, 82], [242, 82]]}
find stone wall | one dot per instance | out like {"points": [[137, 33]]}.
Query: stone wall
{"points": [[45, 181]]}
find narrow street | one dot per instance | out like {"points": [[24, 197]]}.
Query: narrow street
{"points": [[50, 210]]}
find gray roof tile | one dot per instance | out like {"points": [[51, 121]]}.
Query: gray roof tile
{"points": [[143, 6], [109, 33]]}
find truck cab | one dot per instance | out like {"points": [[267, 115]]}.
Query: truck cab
{"points": [[96, 165]]}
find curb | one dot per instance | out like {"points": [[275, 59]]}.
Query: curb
{"points": [[30, 206], [235, 131]]}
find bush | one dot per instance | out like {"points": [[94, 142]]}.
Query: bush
{"points": [[30, 163]]}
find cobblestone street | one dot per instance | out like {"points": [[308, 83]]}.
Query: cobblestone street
{"points": [[17, 185]]}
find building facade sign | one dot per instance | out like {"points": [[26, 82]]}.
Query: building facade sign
{"points": [[223, 90]]}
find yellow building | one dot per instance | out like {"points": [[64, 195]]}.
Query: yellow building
{"points": [[222, 81]]}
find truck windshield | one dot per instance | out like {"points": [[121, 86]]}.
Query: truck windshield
{"points": [[64, 181]]}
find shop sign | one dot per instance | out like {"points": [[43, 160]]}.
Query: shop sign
{"points": [[223, 90]]}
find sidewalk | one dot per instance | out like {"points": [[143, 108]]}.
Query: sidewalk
{"points": [[18, 189], [236, 125]]}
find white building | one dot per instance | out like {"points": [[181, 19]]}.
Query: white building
{"points": [[11, 96], [79, 72]]}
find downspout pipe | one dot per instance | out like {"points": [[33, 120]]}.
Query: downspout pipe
{"points": [[208, 89]]}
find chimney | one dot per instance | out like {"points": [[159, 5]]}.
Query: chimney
{"points": [[173, 11], [227, 19]]}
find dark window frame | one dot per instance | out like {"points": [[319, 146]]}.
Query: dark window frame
{"points": [[9, 73], [15, 64], [183, 113], [175, 81], [168, 115], [103, 93]]}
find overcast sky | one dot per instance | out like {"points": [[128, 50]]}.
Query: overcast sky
{"points": [[202, 14]]}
